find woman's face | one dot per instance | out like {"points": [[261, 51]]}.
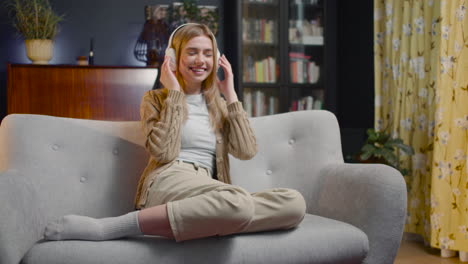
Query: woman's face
{"points": [[196, 60]]}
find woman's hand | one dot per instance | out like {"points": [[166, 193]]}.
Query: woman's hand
{"points": [[226, 86], [168, 78]]}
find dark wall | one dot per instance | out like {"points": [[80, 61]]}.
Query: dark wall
{"points": [[114, 25], [355, 72]]}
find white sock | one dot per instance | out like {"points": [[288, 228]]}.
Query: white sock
{"points": [[79, 227]]}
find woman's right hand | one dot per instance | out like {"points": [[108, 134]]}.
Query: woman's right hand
{"points": [[168, 78]]}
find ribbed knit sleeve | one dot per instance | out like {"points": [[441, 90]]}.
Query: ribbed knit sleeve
{"points": [[161, 123], [241, 138]]}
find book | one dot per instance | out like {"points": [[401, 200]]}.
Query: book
{"points": [[293, 106], [273, 105], [298, 55], [318, 105], [259, 105], [313, 72], [293, 71], [248, 102], [272, 69], [309, 103]]}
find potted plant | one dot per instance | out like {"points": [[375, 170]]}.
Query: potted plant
{"points": [[380, 147], [37, 23], [189, 11]]}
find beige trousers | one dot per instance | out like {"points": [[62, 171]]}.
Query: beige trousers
{"points": [[199, 206]]}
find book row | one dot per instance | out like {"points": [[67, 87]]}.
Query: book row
{"points": [[259, 31], [297, 2], [260, 71], [306, 103], [301, 2], [262, 1], [258, 103], [304, 71]]}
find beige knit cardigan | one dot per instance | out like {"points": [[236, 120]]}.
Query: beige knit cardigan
{"points": [[163, 113]]}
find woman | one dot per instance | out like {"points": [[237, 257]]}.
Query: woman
{"points": [[185, 191]]}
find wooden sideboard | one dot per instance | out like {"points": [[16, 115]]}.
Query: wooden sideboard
{"points": [[88, 92]]}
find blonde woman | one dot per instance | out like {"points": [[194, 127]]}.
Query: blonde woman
{"points": [[185, 191]]}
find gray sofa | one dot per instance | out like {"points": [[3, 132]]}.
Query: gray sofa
{"points": [[53, 166]]}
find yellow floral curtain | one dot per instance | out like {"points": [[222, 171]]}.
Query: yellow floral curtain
{"points": [[449, 210], [421, 69]]}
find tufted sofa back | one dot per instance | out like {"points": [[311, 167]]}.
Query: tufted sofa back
{"points": [[92, 167], [75, 165], [292, 149]]}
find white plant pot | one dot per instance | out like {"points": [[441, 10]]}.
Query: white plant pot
{"points": [[39, 51]]}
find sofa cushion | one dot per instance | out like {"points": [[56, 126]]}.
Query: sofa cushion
{"points": [[316, 240]]}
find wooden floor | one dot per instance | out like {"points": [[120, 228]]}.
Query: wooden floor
{"points": [[413, 252]]}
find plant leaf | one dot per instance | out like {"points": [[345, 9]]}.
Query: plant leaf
{"points": [[405, 148], [383, 137], [366, 155], [391, 159], [395, 141], [368, 148], [372, 135]]}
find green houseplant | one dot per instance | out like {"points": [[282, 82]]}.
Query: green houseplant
{"points": [[380, 147], [190, 11], [37, 22]]}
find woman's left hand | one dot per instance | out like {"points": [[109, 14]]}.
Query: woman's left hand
{"points": [[226, 86]]}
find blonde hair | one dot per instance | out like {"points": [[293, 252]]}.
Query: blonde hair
{"points": [[215, 104]]}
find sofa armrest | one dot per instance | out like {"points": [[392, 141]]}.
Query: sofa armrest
{"points": [[21, 217], [371, 197]]}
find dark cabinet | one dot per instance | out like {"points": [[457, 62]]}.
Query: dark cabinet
{"points": [[283, 54], [88, 92]]}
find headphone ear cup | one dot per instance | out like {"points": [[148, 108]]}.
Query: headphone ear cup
{"points": [[172, 59]]}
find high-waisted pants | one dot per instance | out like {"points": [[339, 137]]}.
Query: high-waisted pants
{"points": [[199, 206]]}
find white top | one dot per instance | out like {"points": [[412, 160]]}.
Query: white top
{"points": [[198, 140]]}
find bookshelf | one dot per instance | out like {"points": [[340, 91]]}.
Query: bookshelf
{"points": [[283, 54]]}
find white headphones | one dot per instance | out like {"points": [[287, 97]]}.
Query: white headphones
{"points": [[171, 52]]}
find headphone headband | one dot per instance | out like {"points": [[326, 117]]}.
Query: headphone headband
{"points": [[171, 51], [169, 42]]}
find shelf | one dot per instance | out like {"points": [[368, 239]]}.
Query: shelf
{"points": [[310, 41], [260, 85], [262, 44], [307, 6], [305, 45], [311, 86], [261, 4], [260, 9], [299, 21]]}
